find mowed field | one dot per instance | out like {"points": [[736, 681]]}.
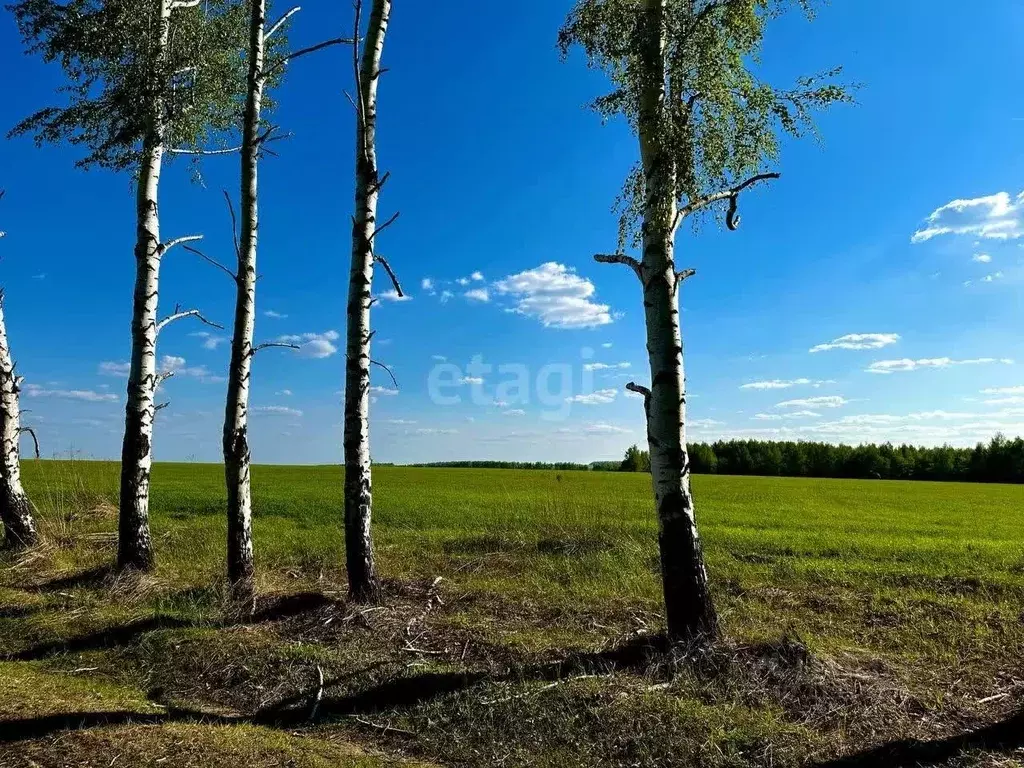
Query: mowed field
{"points": [[882, 622]]}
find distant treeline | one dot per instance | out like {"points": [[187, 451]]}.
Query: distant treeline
{"points": [[999, 461]]}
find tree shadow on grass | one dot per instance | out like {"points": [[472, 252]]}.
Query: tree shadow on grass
{"points": [[1004, 736], [28, 728], [91, 578]]}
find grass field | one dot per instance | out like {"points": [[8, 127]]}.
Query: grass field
{"points": [[880, 621]]}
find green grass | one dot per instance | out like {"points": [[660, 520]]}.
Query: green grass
{"points": [[909, 597]]}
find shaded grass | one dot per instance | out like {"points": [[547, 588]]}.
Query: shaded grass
{"points": [[907, 598]]}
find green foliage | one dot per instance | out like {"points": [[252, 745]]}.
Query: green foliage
{"points": [[109, 52], [719, 122], [636, 460]]}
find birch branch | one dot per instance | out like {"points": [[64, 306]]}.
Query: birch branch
{"points": [[390, 373], [35, 440], [214, 262], [186, 151], [159, 407], [187, 313], [391, 274], [161, 378], [234, 225], [385, 225], [620, 258], [268, 344], [283, 62], [361, 106], [280, 22], [641, 390], [731, 194], [319, 693], [684, 275], [165, 247]]}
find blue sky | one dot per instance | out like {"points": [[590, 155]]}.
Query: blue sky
{"points": [[505, 181]]}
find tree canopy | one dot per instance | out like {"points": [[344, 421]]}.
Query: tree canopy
{"points": [[720, 122]]}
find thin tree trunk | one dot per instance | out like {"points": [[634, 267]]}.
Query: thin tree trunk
{"points": [[236, 412], [15, 511], [362, 575], [134, 544], [689, 611]]}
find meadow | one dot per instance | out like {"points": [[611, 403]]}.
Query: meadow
{"points": [[866, 623]]}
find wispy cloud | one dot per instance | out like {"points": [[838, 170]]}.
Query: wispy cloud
{"points": [[393, 295], [556, 296], [829, 401], [210, 340], [277, 410], [514, 412], [786, 383], [858, 341], [600, 397], [383, 391], [605, 366], [906, 364], [110, 368], [981, 258], [789, 415], [83, 395], [996, 217], [478, 294], [271, 314]]}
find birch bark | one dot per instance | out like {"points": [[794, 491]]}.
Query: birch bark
{"points": [[362, 575], [236, 413], [134, 543], [15, 511], [689, 610]]}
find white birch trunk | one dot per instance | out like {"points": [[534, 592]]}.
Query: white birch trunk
{"points": [[362, 575], [236, 414], [689, 610], [15, 510], [134, 544]]}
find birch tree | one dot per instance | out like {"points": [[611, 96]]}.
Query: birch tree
{"points": [[363, 584], [683, 75], [147, 78], [15, 510], [264, 67]]}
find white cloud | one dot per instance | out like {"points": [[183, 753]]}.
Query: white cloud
{"points": [[786, 383], [1011, 400], [478, 276], [271, 314], [284, 392], [427, 284], [600, 397], [115, 369], [555, 295], [439, 358], [859, 341], [400, 422], [471, 380], [829, 401], [433, 431], [478, 294], [1003, 391], [84, 395], [704, 423], [313, 345], [604, 366], [277, 410], [981, 258], [463, 281], [210, 340], [790, 415], [905, 364], [445, 295], [992, 277], [607, 345], [605, 429], [383, 391], [393, 295], [996, 217], [514, 412]]}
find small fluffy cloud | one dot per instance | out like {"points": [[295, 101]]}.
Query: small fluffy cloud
{"points": [[830, 401], [605, 366], [445, 296], [905, 364], [83, 395], [210, 340], [284, 392], [115, 369], [393, 295], [786, 383], [981, 258], [383, 391], [477, 276], [859, 341], [601, 397], [277, 410], [427, 284], [478, 294], [556, 296], [605, 429], [313, 345], [268, 313], [993, 277], [996, 217]]}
